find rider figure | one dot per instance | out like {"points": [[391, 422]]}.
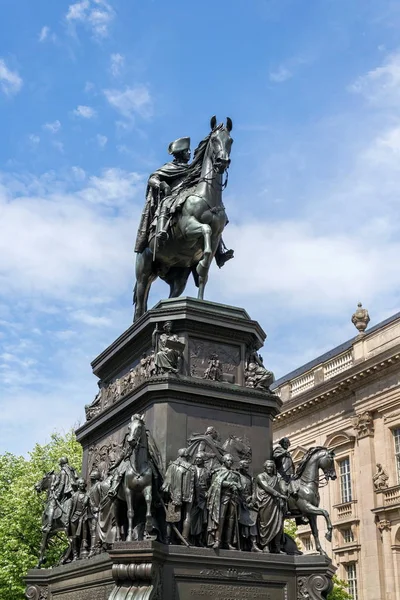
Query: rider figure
{"points": [[64, 484], [285, 465], [160, 198]]}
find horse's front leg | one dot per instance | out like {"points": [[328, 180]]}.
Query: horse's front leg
{"points": [[42, 549], [130, 513], [144, 279], [312, 512], [148, 496]]}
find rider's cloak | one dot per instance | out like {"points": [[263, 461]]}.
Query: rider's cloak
{"points": [[172, 173]]}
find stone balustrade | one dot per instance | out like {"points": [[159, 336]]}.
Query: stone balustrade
{"points": [[345, 511], [320, 373], [391, 496], [338, 364]]}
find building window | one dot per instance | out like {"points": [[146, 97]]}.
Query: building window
{"points": [[348, 536], [351, 573], [307, 544], [345, 480], [396, 436]]}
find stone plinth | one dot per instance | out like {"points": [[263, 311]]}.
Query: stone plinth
{"points": [[154, 571], [176, 406]]}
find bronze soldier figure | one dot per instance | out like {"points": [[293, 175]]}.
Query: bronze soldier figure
{"points": [[78, 520], [95, 496], [202, 480], [247, 514], [179, 487], [209, 443], [162, 187], [223, 502], [285, 465]]}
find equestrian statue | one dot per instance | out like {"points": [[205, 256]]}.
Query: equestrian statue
{"points": [[181, 226]]}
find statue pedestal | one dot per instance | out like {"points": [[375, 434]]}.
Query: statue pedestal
{"points": [[177, 406], [154, 571]]}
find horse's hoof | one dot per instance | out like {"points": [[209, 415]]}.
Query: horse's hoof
{"points": [[328, 536]]}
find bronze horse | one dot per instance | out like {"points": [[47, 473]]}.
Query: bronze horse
{"points": [[55, 516], [137, 482], [197, 228], [306, 483]]}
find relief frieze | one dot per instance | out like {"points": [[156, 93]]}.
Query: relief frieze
{"points": [[212, 360]]}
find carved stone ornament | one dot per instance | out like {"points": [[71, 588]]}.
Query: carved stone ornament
{"points": [[313, 587], [360, 319], [35, 592], [143, 578], [364, 424], [384, 525], [380, 478]]}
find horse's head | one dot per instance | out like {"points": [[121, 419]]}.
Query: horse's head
{"points": [[327, 464], [135, 429], [221, 143], [45, 482]]}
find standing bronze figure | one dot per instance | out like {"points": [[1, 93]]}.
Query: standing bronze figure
{"points": [[179, 488], [186, 201], [271, 502], [223, 504], [198, 519]]}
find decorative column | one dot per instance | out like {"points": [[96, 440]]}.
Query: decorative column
{"points": [[384, 526], [370, 577]]}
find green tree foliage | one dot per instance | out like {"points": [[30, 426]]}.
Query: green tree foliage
{"points": [[339, 591], [21, 509], [290, 528]]}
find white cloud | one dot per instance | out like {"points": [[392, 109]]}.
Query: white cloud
{"points": [[86, 112], [131, 101], [10, 81], [381, 86], [58, 145], [280, 75], [34, 139], [53, 127], [44, 33], [117, 62], [101, 140], [72, 246], [95, 15], [89, 86]]}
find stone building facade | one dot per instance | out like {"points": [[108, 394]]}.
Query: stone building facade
{"points": [[349, 400]]}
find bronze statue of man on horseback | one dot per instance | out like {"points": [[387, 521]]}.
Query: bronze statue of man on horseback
{"points": [[180, 230]]}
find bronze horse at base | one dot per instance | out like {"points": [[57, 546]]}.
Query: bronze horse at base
{"points": [[306, 483], [55, 523], [137, 485], [197, 228]]}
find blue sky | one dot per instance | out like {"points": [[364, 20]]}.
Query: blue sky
{"points": [[91, 94]]}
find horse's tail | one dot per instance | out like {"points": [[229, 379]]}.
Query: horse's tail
{"points": [[134, 299]]}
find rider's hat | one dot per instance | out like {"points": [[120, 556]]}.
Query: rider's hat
{"points": [[179, 145]]}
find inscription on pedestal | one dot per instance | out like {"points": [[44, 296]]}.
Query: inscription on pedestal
{"points": [[190, 590], [96, 593]]}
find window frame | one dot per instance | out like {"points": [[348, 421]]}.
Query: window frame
{"points": [[352, 582], [348, 487], [396, 449]]}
